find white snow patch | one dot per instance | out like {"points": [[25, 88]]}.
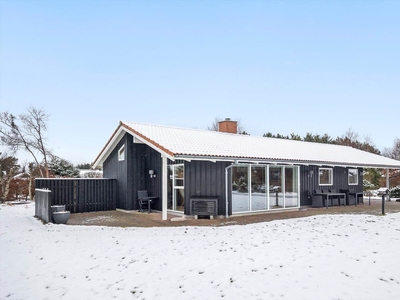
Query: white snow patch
{"points": [[319, 257]]}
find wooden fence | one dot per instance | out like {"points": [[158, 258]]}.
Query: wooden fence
{"points": [[81, 194]]}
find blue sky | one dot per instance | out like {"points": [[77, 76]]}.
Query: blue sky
{"points": [[277, 66]]}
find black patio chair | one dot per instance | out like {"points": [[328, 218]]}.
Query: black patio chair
{"points": [[317, 201], [350, 199], [340, 199], [143, 199], [324, 195]]}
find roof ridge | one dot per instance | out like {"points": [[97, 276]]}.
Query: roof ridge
{"points": [[179, 127], [236, 134]]}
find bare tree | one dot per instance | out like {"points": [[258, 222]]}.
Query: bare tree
{"points": [[350, 138], [214, 125], [393, 152], [28, 135]]}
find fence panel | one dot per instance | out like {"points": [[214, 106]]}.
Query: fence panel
{"points": [[81, 194]]}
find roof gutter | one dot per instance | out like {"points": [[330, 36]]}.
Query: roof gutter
{"points": [[239, 160]]}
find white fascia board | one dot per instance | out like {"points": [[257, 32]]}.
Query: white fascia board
{"points": [[202, 158], [280, 162], [109, 148], [137, 141], [143, 141]]}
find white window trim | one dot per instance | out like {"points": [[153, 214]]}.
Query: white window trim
{"points": [[331, 177], [121, 153], [348, 177]]}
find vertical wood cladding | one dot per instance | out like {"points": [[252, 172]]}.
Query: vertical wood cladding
{"points": [[80, 194], [204, 178], [132, 174], [309, 181], [115, 169], [144, 159]]}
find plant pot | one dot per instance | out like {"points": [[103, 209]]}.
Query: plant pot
{"points": [[55, 208], [61, 217]]}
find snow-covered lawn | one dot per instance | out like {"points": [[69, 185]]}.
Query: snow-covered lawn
{"points": [[321, 257]]}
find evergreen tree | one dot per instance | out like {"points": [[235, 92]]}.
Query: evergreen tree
{"points": [[8, 168], [60, 167], [85, 166]]}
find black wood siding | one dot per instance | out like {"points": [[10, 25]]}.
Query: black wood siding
{"points": [[114, 169], [204, 178], [144, 159], [309, 183], [132, 174]]}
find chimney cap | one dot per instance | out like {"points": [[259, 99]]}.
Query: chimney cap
{"points": [[227, 119]]}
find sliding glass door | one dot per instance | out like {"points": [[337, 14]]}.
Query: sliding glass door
{"points": [[258, 188], [264, 187], [291, 187], [240, 189], [275, 187]]}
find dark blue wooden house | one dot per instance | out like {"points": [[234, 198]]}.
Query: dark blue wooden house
{"points": [[242, 173]]}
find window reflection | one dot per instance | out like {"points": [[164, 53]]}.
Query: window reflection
{"points": [[240, 195], [258, 188], [291, 187], [275, 187]]}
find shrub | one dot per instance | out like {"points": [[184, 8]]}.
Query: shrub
{"points": [[395, 192]]}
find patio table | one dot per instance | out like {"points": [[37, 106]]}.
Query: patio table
{"points": [[327, 195]]}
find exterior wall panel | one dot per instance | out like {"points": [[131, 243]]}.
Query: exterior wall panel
{"points": [[309, 181], [115, 169], [204, 178]]}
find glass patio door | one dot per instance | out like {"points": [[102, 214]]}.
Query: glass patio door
{"points": [[176, 191]]}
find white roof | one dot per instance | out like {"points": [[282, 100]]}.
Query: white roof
{"points": [[192, 144]]}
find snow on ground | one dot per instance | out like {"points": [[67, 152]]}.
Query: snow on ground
{"points": [[319, 257]]}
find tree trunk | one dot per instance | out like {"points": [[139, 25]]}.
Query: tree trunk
{"points": [[30, 187], [7, 186]]}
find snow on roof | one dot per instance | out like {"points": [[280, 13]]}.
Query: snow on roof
{"points": [[187, 143]]}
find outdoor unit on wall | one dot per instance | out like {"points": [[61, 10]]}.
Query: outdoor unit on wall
{"points": [[204, 206]]}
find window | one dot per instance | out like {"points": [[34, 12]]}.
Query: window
{"points": [[176, 188], [240, 189], [353, 177], [121, 153], [325, 176]]}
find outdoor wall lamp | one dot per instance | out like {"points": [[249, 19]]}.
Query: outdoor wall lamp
{"points": [[311, 173], [152, 174]]}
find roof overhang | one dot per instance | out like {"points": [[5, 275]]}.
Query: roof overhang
{"points": [[202, 145], [116, 137], [244, 160]]}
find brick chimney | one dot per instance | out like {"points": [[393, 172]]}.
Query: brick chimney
{"points": [[227, 126]]}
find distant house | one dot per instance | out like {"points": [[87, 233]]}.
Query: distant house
{"points": [[245, 173], [89, 173]]}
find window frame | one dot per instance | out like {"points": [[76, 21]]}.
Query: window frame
{"points": [[330, 176], [121, 153], [348, 176]]}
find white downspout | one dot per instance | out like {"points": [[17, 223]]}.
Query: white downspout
{"points": [[298, 186], [164, 184], [226, 192]]}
